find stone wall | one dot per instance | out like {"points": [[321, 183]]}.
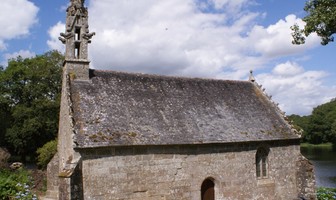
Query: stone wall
{"points": [[177, 172], [65, 130], [67, 158], [306, 179], [52, 178], [4, 156]]}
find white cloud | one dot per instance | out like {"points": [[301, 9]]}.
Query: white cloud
{"points": [[287, 69], [17, 17], [174, 37], [229, 5], [168, 37], [297, 90], [54, 33], [276, 40], [2, 45], [22, 53]]}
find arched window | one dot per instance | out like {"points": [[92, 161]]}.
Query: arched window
{"points": [[208, 190], [262, 162]]}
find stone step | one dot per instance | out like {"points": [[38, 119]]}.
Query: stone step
{"points": [[47, 198], [50, 195]]}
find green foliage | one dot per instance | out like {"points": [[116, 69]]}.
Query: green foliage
{"points": [[5, 116], [46, 153], [16, 185], [320, 19], [333, 133], [321, 122], [297, 35], [301, 123], [324, 146], [30, 94], [326, 193], [320, 126]]}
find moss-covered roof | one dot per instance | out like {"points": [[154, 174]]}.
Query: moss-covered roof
{"points": [[115, 108]]}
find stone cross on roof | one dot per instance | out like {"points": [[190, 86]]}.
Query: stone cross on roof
{"points": [[77, 2], [251, 77], [77, 8]]}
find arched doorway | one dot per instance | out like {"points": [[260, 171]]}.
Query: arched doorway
{"points": [[208, 190]]}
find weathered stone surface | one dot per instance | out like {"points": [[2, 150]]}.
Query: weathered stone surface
{"points": [[16, 165], [52, 178], [154, 173], [4, 156], [115, 108], [306, 179]]}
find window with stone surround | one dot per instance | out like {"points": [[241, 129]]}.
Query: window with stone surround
{"points": [[208, 190], [262, 162]]}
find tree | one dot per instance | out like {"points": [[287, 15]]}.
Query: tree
{"points": [[31, 88], [46, 153], [333, 133], [320, 19], [320, 126], [301, 123], [321, 123], [4, 115]]}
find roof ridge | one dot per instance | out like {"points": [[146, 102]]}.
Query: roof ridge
{"points": [[173, 77]]}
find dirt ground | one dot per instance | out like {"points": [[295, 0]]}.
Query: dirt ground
{"points": [[40, 181]]}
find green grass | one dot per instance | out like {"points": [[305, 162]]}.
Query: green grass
{"points": [[324, 145]]}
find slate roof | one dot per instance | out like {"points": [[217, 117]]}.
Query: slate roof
{"points": [[122, 109]]}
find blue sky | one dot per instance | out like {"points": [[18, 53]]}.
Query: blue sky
{"points": [[221, 39]]}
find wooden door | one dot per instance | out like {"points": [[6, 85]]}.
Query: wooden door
{"points": [[208, 190]]}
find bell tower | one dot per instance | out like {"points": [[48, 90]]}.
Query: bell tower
{"points": [[76, 39]]}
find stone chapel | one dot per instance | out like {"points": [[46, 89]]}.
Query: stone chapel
{"points": [[126, 136]]}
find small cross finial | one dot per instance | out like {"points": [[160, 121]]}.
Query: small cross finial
{"points": [[80, 2], [251, 78]]}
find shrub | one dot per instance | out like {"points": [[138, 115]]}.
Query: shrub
{"points": [[46, 153], [16, 185], [7, 185], [326, 193]]}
